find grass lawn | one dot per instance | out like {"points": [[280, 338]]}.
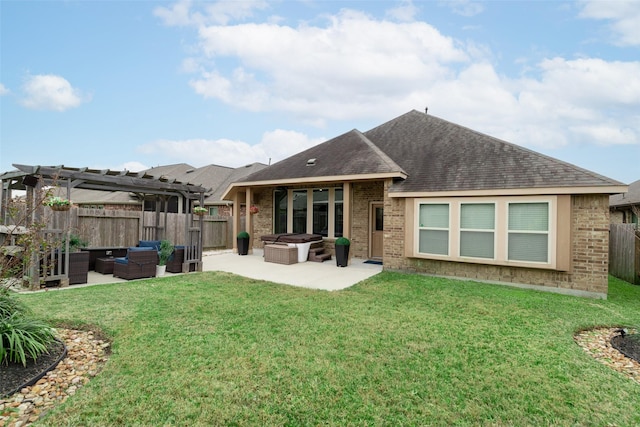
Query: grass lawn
{"points": [[214, 348]]}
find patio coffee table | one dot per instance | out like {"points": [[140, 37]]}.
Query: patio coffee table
{"points": [[104, 265]]}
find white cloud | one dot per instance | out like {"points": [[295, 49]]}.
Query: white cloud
{"points": [[133, 166], [624, 17], [466, 8], [355, 67], [3, 90], [178, 15], [50, 92], [583, 101], [406, 12], [340, 71], [275, 146], [182, 14]]}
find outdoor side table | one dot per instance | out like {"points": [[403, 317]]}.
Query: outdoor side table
{"points": [[104, 265]]}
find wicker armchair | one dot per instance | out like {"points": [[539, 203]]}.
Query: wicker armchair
{"points": [[139, 263], [174, 263]]}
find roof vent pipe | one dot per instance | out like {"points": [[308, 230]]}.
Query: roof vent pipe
{"points": [[426, 109]]}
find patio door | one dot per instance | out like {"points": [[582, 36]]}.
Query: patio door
{"points": [[376, 225]]}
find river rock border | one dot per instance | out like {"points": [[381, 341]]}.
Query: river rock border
{"points": [[86, 355], [597, 343]]}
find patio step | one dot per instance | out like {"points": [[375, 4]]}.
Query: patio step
{"points": [[318, 255]]}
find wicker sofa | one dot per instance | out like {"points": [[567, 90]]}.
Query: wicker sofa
{"points": [[139, 263]]}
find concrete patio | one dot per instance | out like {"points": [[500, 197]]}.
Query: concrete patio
{"points": [[312, 275]]}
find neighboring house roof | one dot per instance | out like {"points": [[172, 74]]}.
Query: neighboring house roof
{"points": [[81, 196], [630, 198], [427, 154], [170, 170], [215, 195], [214, 178]]}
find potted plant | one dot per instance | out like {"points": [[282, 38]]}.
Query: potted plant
{"points": [[342, 251], [253, 209], [243, 243], [58, 203], [164, 253], [199, 211]]}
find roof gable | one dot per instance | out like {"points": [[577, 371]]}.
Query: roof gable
{"points": [[348, 154]]}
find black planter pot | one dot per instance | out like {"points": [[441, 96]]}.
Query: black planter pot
{"points": [[243, 245], [342, 255]]}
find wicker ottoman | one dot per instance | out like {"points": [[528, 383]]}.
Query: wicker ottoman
{"points": [[104, 265], [281, 254]]}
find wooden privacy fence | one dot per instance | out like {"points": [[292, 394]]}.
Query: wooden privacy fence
{"points": [[624, 253], [112, 228]]}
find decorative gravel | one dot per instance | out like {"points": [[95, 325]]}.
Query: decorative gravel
{"points": [[597, 342], [86, 355]]}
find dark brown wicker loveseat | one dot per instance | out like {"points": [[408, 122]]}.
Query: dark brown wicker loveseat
{"points": [[139, 263]]}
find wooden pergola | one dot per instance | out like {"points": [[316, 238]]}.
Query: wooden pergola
{"points": [[32, 180]]}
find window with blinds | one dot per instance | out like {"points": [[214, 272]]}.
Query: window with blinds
{"points": [[434, 229], [477, 230], [528, 232]]}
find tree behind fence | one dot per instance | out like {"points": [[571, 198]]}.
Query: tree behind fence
{"points": [[101, 227], [624, 253]]}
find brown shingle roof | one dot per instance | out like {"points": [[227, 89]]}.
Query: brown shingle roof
{"points": [[442, 156], [427, 154], [631, 197], [348, 154]]}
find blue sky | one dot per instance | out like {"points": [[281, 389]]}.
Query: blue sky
{"points": [[136, 84]]}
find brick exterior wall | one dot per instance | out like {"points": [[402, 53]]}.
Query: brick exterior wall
{"points": [[589, 252], [363, 194], [263, 220]]}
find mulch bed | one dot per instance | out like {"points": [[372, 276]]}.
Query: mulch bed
{"points": [[13, 376], [628, 344]]}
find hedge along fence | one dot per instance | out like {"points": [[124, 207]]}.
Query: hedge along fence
{"points": [[106, 227]]}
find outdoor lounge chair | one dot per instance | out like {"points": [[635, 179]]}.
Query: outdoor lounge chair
{"points": [[174, 263], [139, 263]]}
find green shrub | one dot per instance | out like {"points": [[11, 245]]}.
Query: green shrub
{"points": [[9, 305], [166, 249], [22, 338], [342, 241], [243, 235]]}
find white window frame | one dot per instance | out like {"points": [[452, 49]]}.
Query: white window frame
{"points": [[424, 228], [476, 230], [537, 232]]}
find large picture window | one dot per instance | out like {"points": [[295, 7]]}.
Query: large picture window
{"points": [[434, 229], [317, 211], [528, 232], [477, 230], [516, 231]]}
